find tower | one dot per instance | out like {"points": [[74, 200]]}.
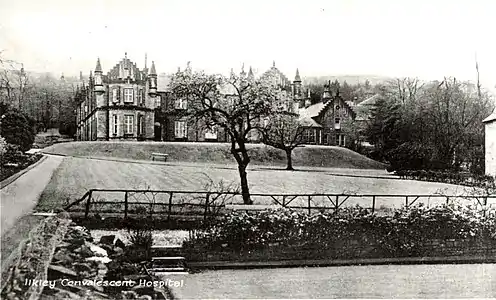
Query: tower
{"points": [[297, 94], [152, 80], [98, 77], [297, 85]]}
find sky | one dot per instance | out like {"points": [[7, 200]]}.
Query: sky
{"points": [[426, 39]]}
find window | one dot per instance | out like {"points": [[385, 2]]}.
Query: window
{"points": [[128, 95], [158, 102], [337, 123], [211, 134], [140, 123], [116, 125], [129, 123], [310, 135], [141, 99], [341, 140], [115, 95], [180, 129], [181, 103]]}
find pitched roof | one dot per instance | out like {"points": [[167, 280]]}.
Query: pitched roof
{"points": [[369, 101], [118, 71], [491, 118], [307, 121], [313, 110]]}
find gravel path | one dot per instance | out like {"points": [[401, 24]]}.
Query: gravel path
{"points": [[17, 201], [21, 196]]}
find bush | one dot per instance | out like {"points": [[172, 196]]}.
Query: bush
{"points": [[141, 239], [17, 129], [400, 234]]}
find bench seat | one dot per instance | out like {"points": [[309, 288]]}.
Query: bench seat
{"points": [[159, 156]]}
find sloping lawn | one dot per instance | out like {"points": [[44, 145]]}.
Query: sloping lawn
{"points": [[76, 175], [218, 153]]}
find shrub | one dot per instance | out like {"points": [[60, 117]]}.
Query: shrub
{"points": [[17, 129], [400, 234], [141, 240]]}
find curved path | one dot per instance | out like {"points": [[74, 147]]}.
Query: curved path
{"points": [[21, 196], [17, 201]]}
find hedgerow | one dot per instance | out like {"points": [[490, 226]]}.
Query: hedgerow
{"points": [[400, 234]]}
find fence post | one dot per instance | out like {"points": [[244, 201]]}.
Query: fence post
{"points": [[309, 205], [170, 206], [207, 199], [373, 204], [284, 201], [126, 208], [406, 201], [88, 202], [336, 205], [447, 200]]}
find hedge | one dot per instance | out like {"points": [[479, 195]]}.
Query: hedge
{"points": [[401, 234]]}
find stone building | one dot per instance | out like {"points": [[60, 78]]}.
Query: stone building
{"points": [[128, 104], [490, 144], [120, 105]]}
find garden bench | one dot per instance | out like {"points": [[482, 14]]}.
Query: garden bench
{"points": [[159, 156]]}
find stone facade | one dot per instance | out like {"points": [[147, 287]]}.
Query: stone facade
{"points": [[120, 105], [490, 144]]}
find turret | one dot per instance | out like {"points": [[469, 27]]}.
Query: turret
{"points": [[152, 80], [297, 85], [251, 77], [98, 77], [242, 74]]}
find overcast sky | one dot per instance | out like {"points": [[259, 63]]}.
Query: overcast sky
{"points": [[428, 39]]}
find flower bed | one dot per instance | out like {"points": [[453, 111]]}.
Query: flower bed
{"points": [[351, 233], [14, 161]]}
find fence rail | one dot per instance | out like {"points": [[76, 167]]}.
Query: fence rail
{"points": [[205, 204]]}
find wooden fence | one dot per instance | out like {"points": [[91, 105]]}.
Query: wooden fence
{"points": [[204, 204]]}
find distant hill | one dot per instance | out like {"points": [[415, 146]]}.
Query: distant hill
{"points": [[350, 79]]}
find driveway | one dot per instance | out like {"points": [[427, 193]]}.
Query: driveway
{"points": [[21, 196]]}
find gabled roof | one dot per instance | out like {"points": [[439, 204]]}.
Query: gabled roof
{"points": [[118, 71], [309, 122], [491, 117], [313, 110]]}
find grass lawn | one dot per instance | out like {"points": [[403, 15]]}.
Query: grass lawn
{"points": [[218, 153], [76, 175]]}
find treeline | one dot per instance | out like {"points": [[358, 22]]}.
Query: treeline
{"points": [[43, 98], [433, 125]]}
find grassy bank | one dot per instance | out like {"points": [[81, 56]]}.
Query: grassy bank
{"points": [[218, 153]]}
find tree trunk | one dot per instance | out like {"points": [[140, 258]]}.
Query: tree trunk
{"points": [[245, 190], [242, 158], [289, 160]]}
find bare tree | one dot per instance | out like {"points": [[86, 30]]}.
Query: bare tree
{"points": [[284, 131], [234, 104]]}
